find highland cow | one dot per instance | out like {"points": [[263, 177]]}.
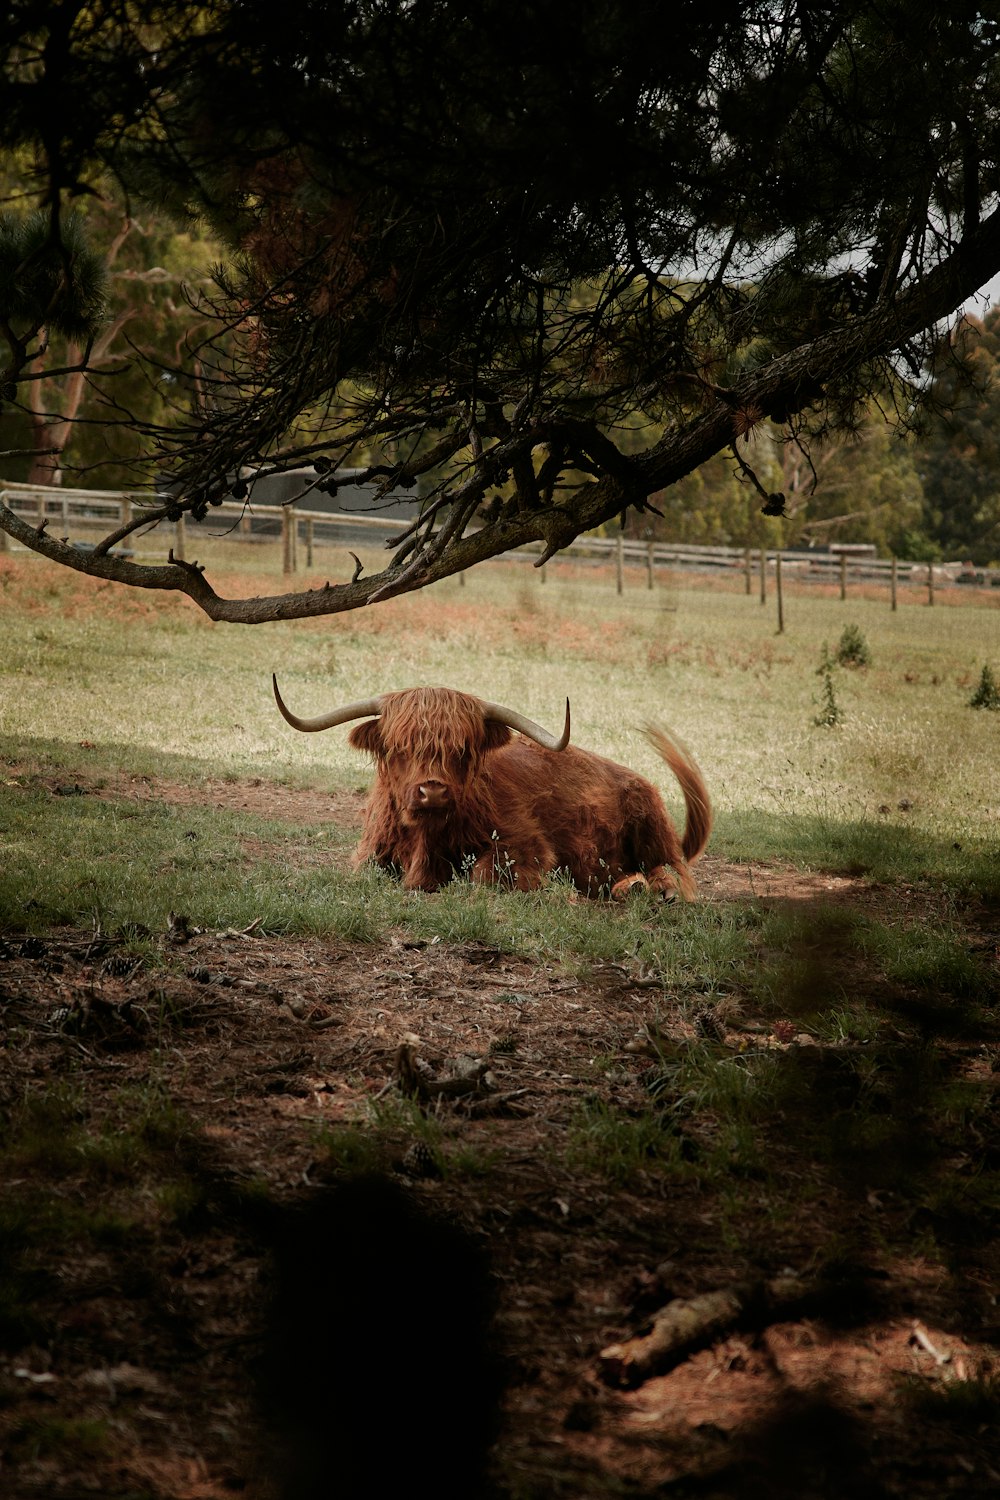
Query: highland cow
{"points": [[466, 786]]}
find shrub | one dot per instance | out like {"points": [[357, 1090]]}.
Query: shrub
{"points": [[853, 650], [829, 713], [987, 694]]}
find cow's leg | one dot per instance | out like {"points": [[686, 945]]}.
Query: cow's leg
{"points": [[651, 844], [670, 881], [523, 868], [662, 881]]}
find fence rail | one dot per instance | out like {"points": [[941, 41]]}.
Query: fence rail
{"points": [[302, 530]]}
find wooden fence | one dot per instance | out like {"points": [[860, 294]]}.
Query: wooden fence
{"points": [[300, 532]]}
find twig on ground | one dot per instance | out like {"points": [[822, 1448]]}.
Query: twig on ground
{"points": [[689, 1323], [919, 1335]]}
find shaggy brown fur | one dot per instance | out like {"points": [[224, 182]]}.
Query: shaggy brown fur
{"points": [[454, 792]]}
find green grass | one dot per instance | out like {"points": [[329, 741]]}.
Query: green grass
{"points": [[148, 687], [970, 1406], [75, 1440], [622, 1147], [83, 1182], [125, 866], [395, 1126], [50, 1132], [878, 848]]}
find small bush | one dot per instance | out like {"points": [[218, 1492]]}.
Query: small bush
{"points": [[852, 649], [829, 713], [987, 694]]}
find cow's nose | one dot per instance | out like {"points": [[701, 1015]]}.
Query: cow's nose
{"points": [[433, 794]]}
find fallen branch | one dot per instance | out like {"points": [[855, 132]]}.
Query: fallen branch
{"points": [[922, 1337], [243, 932], [413, 1076], [689, 1323]]}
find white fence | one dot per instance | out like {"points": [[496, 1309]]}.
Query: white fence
{"points": [[301, 531]]}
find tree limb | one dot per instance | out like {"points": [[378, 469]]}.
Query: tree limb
{"points": [[787, 384]]}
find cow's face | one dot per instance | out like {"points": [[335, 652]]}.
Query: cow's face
{"points": [[430, 746]]}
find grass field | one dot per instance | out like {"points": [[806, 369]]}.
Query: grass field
{"points": [[110, 684], [800, 1070]]}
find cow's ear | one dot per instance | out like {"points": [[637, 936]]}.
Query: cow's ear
{"points": [[367, 736], [495, 735]]}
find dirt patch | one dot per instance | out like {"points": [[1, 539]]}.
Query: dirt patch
{"points": [[267, 799], [237, 1082]]}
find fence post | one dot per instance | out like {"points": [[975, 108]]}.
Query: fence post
{"points": [[287, 548], [930, 583], [892, 583], [748, 569], [620, 563], [763, 575], [179, 537], [650, 571], [781, 602], [309, 543], [843, 575]]}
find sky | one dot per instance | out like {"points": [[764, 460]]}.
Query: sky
{"points": [[991, 291]]}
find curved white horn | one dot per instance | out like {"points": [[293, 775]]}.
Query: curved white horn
{"points": [[365, 709], [528, 727]]}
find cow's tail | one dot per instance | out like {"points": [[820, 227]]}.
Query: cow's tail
{"points": [[698, 823]]}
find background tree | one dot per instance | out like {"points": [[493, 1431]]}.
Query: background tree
{"points": [[960, 449], [49, 290], [860, 485], [144, 270], [716, 505], [856, 486], [481, 259]]}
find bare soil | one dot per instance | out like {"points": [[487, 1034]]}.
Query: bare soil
{"points": [[287, 1328]]}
